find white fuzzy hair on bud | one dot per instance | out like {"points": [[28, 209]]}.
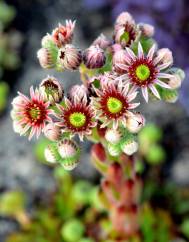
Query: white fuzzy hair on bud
{"points": [[135, 122], [52, 132], [166, 55], [67, 148], [113, 136], [129, 147], [146, 29], [51, 154]]}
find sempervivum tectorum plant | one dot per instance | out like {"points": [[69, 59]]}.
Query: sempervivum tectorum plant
{"points": [[113, 103], [94, 57], [69, 57], [77, 116], [147, 71], [51, 89], [63, 34], [31, 114]]}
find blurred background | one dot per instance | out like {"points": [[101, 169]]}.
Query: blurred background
{"points": [[22, 168]]}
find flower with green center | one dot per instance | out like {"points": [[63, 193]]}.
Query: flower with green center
{"points": [[112, 103], [31, 115], [143, 72], [77, 117], [146, 71]]}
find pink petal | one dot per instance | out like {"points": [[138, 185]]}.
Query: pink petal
{"points": [[145, 93], [154, 91], [140, 50], [162, 84], [151, 52]]}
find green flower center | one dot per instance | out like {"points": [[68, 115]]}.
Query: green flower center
{"points": [[114, 105], [125, 37], [34, 113], [143, 72], [77, 119]]}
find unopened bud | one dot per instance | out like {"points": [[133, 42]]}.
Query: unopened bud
{"points": [[94, 57], [69, 151], [47, 57], [51, 153], [135, 122], [113, 136], [119, 58], [46, 40], [130, 146], [63, 34], [51, 90], [175, 81], [124, 18], [170, 96], [69, 57], [77, 91], [102, 42], [52, 132], [166, 55], [146, 29], [114, 149]]}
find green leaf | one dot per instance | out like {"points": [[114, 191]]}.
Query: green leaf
{"points": [[12, 203]]}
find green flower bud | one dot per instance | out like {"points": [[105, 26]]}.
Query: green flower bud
{"points": [[170, 96], [69, 152], [128, 145], [114, 149], [51, 153]]}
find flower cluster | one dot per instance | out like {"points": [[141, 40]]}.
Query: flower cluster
{"points": [[104, 107]]}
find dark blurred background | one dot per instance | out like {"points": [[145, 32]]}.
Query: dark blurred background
{"points": [[32, 20]]}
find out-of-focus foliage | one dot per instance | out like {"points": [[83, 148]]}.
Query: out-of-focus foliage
{"points": [[74, 212], [10, 42]]}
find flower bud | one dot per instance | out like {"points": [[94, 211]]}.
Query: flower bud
{"points": [[119, 58], [175, 81], [129, 146], [114, 149], [63, 34], [69, 151], [135, 122], [113, 136], [94, 57], [146, 29], [51, 153], [47, 57], [170, 96], [124, 18], [69, 57], [46, 40], [166, 55], [77, 91], [51, 90], [52, 132], [102, 42]]}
